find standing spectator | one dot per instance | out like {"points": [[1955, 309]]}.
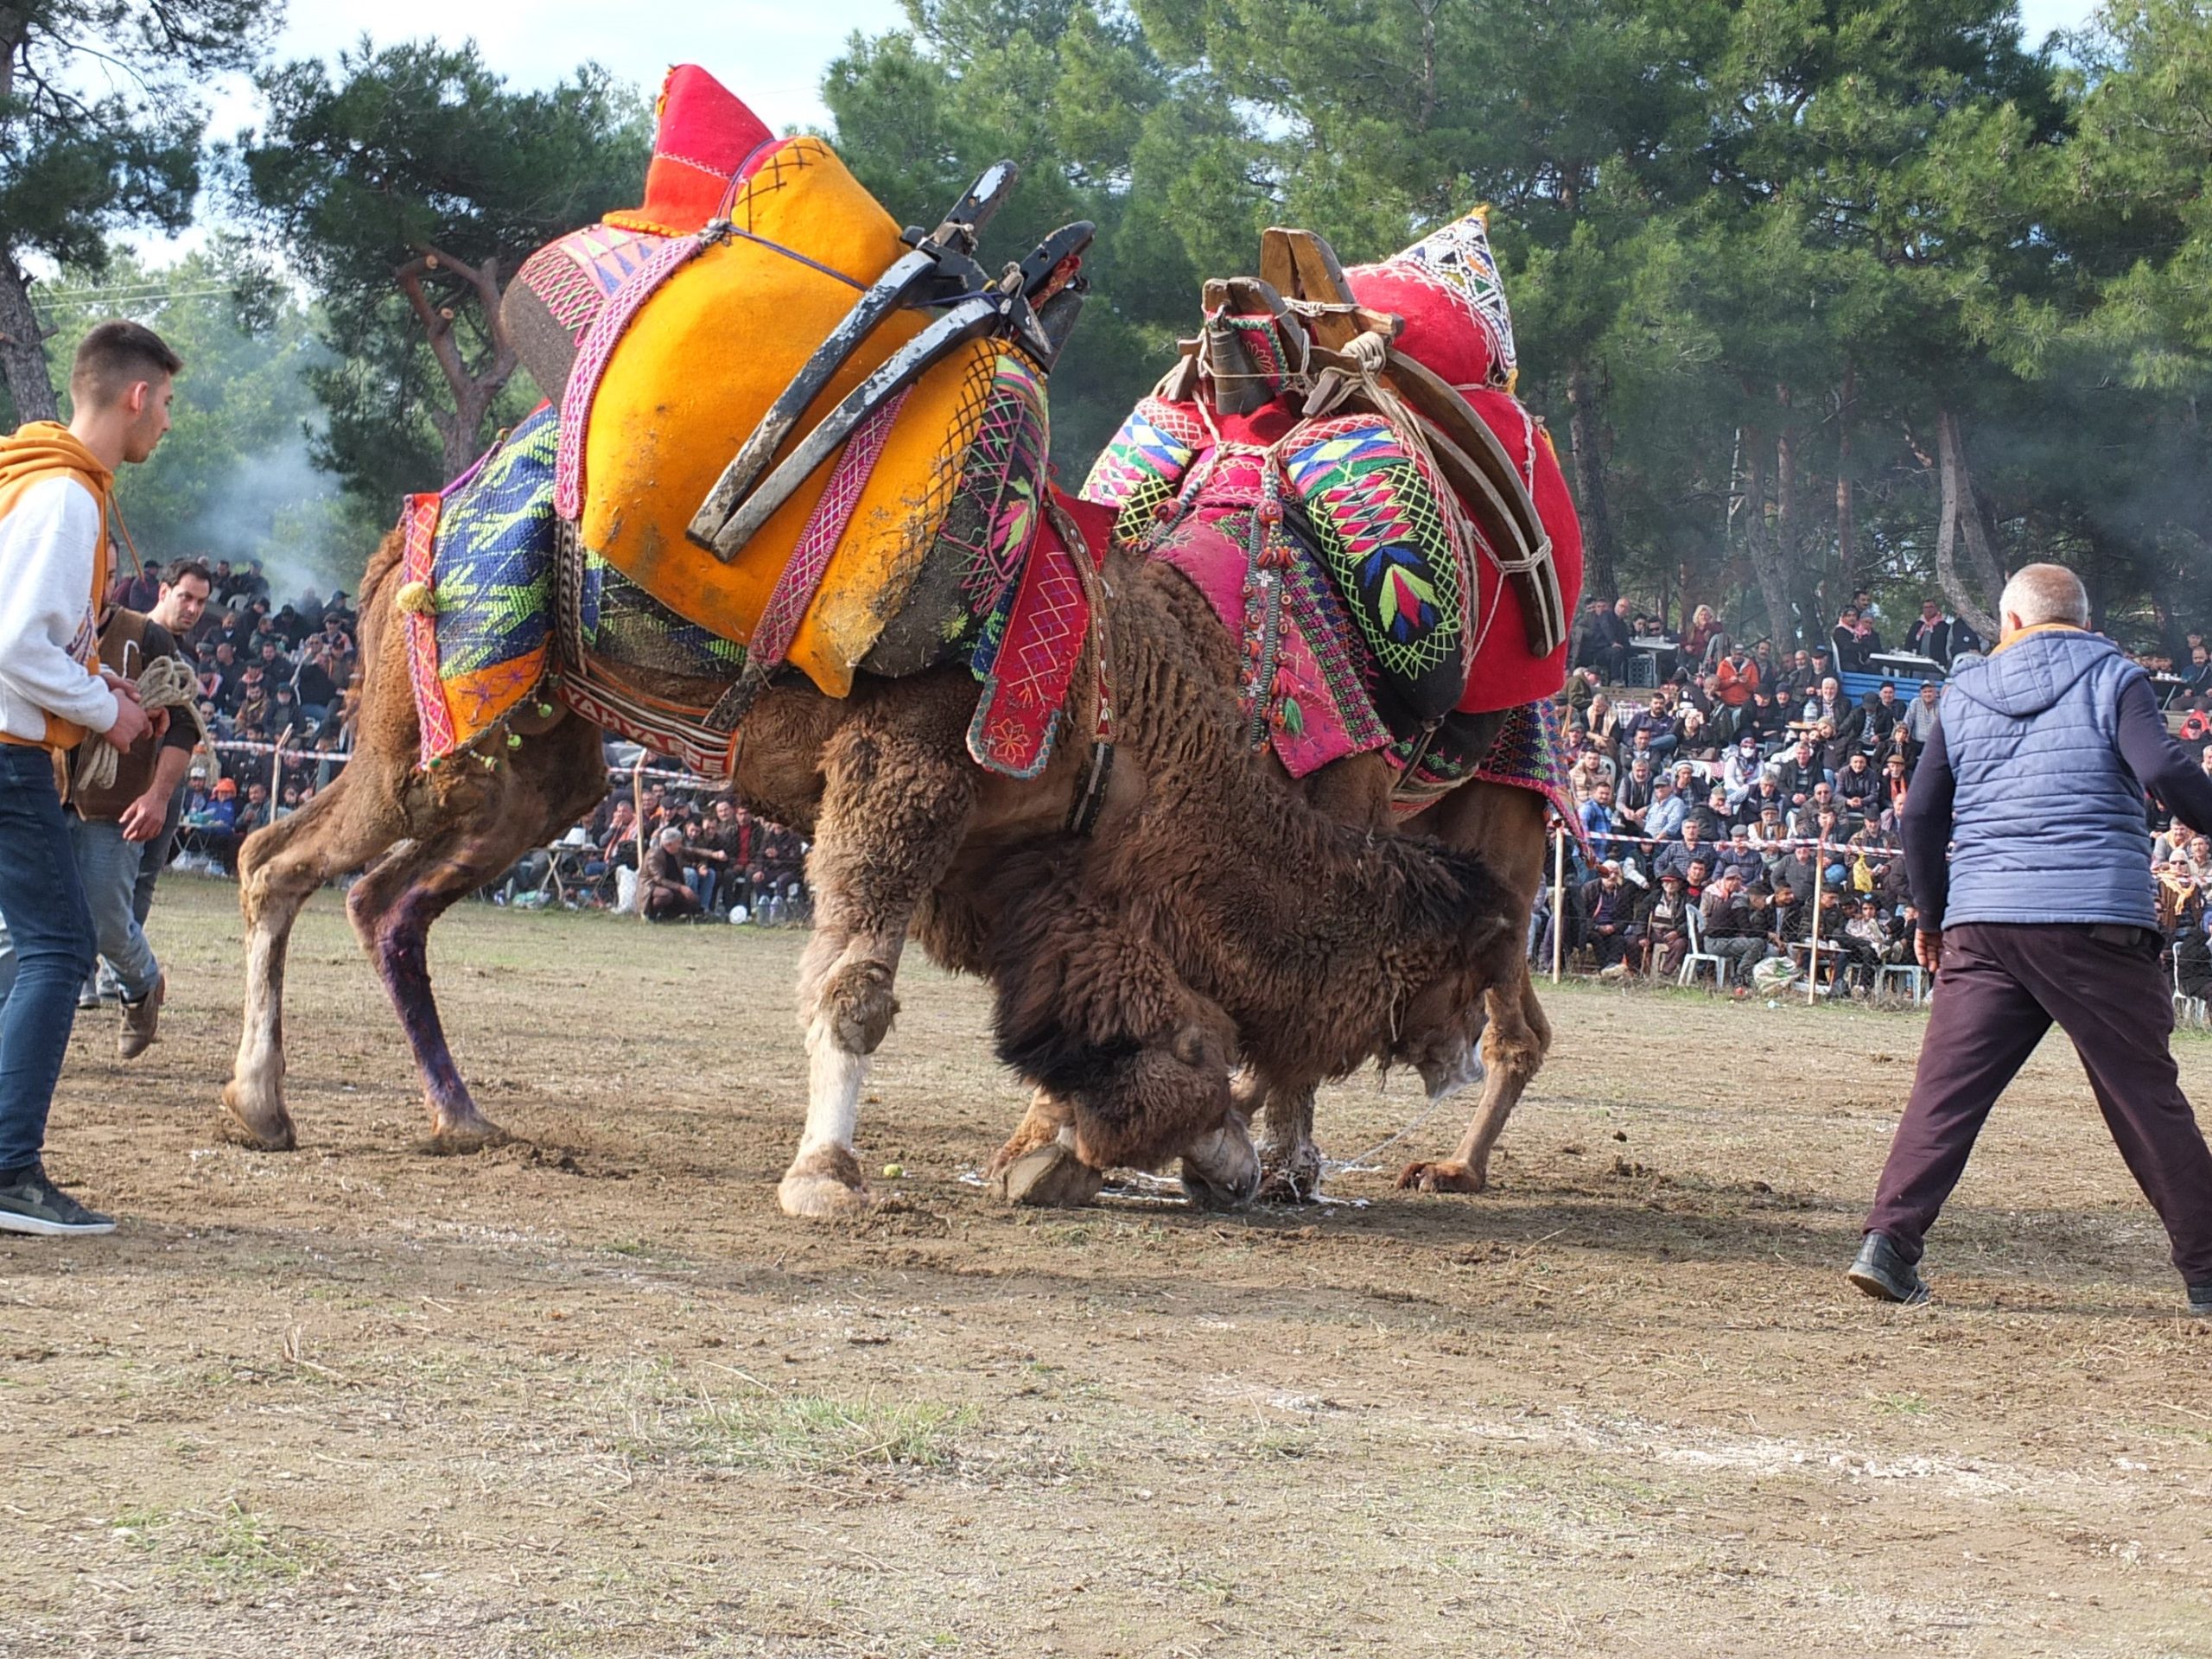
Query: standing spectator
{"points": [[2030, 864], [1939, 637], [1698, 638], [54, 485], [111, 827]]}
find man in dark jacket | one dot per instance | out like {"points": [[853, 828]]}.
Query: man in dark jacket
{"points": [[2045, 910], [1938, 636], [1601, 643]]}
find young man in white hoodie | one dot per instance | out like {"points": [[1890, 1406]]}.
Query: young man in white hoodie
{"points": [[54, 484]]}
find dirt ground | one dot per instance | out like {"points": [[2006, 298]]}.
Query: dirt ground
{"points": [[591, 1394]]}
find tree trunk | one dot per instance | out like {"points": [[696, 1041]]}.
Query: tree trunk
{"points": [[461, 434], [1973, 593], [1758, 543], [1801, 574], [1846, 556], [22, 351], [1600, 576]]}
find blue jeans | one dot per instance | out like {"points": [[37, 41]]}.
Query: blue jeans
{"points": [[50, 930], [701, 882], [109, 866]]}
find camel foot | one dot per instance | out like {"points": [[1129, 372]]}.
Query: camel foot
{"points": [[1019, 1147], [263, 1126], [825, 1185], [459, 1134], [1445, 1175], [1291, 1175], [1050, 1177]]}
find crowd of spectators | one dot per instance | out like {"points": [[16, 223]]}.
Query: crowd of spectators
{"points": [[1725, 808], [1747, 803]]}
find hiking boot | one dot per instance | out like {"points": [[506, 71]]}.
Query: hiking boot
{"points": [[142, 1021], [1884, 1274], [31, 1204], [2200, 1301]]}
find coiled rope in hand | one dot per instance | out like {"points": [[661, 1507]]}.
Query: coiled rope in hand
{"points": [[165, 682]]}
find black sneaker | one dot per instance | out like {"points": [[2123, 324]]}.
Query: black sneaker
{"points": [[2200, 1301], [1884, 1274], [31, 1204]]}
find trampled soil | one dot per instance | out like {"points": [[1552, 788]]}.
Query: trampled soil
{"points": [[591, 1394]]}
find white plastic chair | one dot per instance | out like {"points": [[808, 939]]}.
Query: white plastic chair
{"points": [[1698, 954], [1913, 975]]}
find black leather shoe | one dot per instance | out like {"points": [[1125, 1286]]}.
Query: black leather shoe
{"points": [[2200, 1301], [1882, 1273]]}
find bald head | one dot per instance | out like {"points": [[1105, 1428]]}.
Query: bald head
{"points": [[2044, 593]]}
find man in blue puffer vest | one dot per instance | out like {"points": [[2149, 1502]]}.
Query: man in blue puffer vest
{"points": [[2045, 910]]}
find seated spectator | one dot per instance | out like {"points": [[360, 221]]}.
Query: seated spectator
{"points": [[1736, 677], [2193, 961], [1663, 921], [1732, 930], [1690, 846], [1600, 643], [1608, 917], [1602, 726], [1738, 857], [1855, 642], [1799, 772], [1655, 724], [1804, 822], [1883, 714], [1668, 811], [1715, 813], [1741, 770], [1633, 798], [1597, 819], [1859, 788]]}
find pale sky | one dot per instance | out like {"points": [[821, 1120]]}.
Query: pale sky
{"points": [[770, 53]]}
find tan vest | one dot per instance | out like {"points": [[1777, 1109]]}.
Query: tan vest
{"points": [[122, 651]]}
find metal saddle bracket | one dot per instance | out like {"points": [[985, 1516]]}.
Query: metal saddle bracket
{"points": [[940, 271]]}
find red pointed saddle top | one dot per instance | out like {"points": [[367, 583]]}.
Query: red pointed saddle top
{"points": [[705, 144]]}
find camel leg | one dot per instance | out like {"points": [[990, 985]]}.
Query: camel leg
{"points": [[1038, 1167], [1513, 1046], [279, 868], [1040, 1126], [896, 801], [392, 908], [1290, 1163], [1507, 825]]}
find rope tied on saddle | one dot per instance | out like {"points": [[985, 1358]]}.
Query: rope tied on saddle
{"points": [[165, 682]]}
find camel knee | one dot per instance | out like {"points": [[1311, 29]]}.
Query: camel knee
{"points": [[856, 1005]]}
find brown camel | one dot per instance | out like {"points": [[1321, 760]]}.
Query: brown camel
{"points": [[910, 835], [1501, 1022]]}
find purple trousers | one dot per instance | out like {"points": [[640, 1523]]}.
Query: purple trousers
{"points": [[2001, 986]]}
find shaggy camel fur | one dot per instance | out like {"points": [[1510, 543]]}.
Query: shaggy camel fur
{"points": [[909, 835], [1502, 1036]]}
